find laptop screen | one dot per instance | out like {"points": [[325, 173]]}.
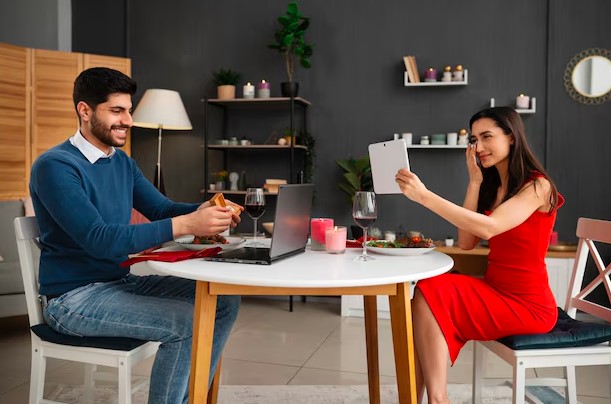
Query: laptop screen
{"points": [[292, 219]]}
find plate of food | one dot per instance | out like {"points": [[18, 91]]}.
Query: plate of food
{"points": [[402, 246], [203, 242]]}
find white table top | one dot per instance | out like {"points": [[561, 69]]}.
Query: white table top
{"points": [[314, 269]]}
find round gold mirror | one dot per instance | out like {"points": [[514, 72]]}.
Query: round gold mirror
{"points": [[587, 77]]}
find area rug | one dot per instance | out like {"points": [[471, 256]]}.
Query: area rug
{"points": [[320, 394]]}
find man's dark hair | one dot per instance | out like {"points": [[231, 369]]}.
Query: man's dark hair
{"points": [[93, 86]]}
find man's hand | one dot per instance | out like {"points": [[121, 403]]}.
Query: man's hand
{"points": [[205, 221]]}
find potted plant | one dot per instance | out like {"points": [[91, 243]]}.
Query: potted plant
{"points": [[221, 179], [449, 241], [357, 177], [290, 43], [225, 80]]}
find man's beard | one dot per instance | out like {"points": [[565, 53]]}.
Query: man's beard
{"points": [[103, 134]]}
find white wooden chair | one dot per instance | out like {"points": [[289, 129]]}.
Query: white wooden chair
{"points": [[571, 343], [120, 353]]}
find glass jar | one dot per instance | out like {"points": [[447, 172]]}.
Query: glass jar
{"points": [[425, 140]]}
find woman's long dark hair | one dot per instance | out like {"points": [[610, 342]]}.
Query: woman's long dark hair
{"points": [[522, 162]]}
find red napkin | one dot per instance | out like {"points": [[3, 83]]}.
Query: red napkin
{"points": [[358, 243], [171, 256]]}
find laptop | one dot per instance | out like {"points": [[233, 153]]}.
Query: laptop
{"points": [[291, 228]]}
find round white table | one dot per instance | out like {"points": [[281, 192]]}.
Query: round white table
{"points": [[312, 273]]}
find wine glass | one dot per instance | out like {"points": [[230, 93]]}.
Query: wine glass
{"points": [[255, 207], [364, 212]]}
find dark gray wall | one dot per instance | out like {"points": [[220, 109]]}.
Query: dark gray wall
{"points": [[356, 88], [579, 136], [29, 23]]}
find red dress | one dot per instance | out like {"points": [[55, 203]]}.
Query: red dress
{"points": [[514, 296]]}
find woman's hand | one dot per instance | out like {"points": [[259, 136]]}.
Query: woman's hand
{"points": [[410, 185], [475, 172]]}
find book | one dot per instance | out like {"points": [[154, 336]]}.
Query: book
{"points": [[408, 67], [412, 60]]}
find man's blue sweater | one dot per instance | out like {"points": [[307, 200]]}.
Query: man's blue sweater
{"points": [[83, 211]]}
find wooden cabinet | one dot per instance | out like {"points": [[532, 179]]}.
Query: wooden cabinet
{"points": [[14, 121], [36, 107]]}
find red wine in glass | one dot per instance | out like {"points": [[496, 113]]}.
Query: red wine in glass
{"points": [[365, 222], [255, 207], [255, 211]]}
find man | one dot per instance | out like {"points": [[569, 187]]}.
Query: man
{"points": [[83, 192]]}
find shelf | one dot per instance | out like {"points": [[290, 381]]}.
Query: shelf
{"points": [[256, 146], [259, 102], [228, 192], [531, 110], [436, 146], [465, 81]]}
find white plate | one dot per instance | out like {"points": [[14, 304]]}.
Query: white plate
{"points": [[400, 251], [186, 241]]}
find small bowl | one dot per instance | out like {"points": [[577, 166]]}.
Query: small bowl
{"points": [[268, 227]]}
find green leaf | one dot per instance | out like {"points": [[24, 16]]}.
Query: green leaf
{"points": [[291, 9], [347, 188], [288, 40], [353, 179], [305, 63]]}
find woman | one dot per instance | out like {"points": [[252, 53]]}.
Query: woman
{"points": [[512, 202]]}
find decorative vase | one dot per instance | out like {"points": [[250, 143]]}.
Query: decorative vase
{"points": [[220, 185], [289, 89], [226, 92]]}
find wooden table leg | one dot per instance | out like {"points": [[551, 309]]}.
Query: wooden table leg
{"points": [[371, 338], [213, 393], [201, 351], [403, 343]]}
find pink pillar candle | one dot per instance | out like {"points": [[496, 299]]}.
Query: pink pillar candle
{"points": [[318, 227], [335, 240], [522, 101]]}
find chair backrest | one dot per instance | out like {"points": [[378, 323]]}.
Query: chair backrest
{"points": [[27, 232], [590, 231]]}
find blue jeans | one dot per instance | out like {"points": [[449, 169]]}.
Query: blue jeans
{"points": [[152, 308]]}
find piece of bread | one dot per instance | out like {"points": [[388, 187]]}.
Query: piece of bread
{"points": [[218, 200]]}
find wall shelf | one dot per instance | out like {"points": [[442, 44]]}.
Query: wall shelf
{"points": [[436, 146], [228, 192], [256, 146], [465, 81], [531, 110]]}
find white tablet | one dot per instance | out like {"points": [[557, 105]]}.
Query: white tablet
{"points": [[386, 159]]}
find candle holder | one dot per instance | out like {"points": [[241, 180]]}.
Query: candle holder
{"points": [[430, 74], [522, 101], [248, 91], [447, 74], [335, 239], [458, 75], [318, 227], [263, 89]]}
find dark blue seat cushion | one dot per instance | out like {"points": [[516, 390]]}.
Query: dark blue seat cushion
{"points": [[566, 333], [48, 334]]}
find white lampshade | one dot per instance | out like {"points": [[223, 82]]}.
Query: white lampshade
{"points": [[160, 108]]}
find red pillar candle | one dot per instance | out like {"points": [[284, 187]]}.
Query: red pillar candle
{"points": [[318, 227]]}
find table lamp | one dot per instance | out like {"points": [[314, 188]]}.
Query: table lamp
{"points": [[161, 109]]}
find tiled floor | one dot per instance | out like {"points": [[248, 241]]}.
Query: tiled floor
{"points": [[270, 345]]}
